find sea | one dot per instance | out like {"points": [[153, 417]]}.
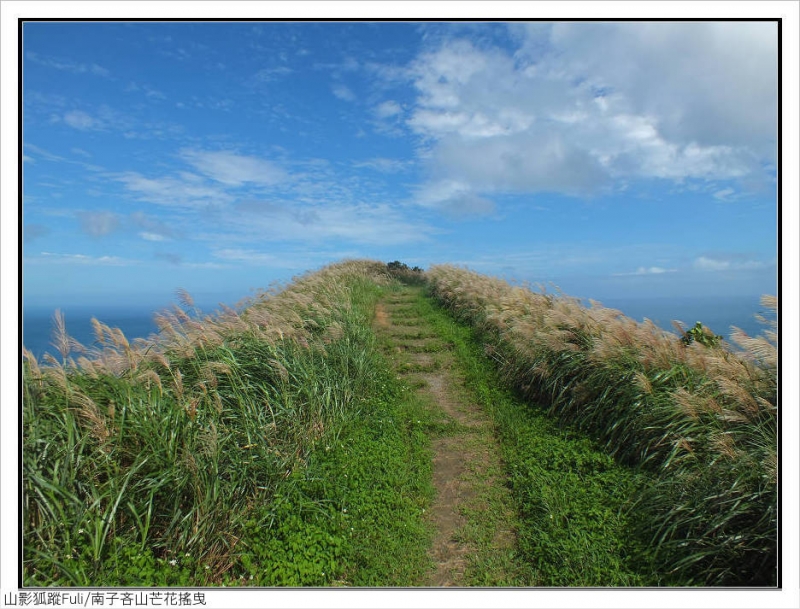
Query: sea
{"points": [[716, 313], [135, 321]]}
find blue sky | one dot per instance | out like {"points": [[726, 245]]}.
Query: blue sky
{"points": [[613, 159]]}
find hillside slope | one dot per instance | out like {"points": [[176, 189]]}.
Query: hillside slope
{"points": [[373, 425]]}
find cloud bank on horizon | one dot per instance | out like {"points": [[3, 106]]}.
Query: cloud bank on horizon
{"points": [[633, 156]]}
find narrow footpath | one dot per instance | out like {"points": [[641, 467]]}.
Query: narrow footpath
{"points": [[471, 513]]}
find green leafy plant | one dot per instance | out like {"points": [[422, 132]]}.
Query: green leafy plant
{"points": [[407, 275], [702, 335]]}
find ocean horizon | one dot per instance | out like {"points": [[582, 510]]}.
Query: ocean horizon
{"points": [[717, 313]]}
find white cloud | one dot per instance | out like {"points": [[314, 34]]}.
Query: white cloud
{"points": [[475, 125], [388, 119], [431, 194], [155, 230], [517, 164], [234, 169], [709, 264], [653, 270], [729, 263], [388, 109], [177, 260], [81, 259], [454, 198], [580, 106], [204, 265], [81, 120], [713, 83], [266, 75], [172, 192], [296, 260], [378, 224], [250, 257], [105, 118], [67, 65], [152, 236], [41, 153], [225, 203], [320, 220], [349, 64], [343, 92], [383, 165], [98, 224], [724, 194], [148, 91]]}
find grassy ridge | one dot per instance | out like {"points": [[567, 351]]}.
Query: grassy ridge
{"points": [[275, 446], [703, 420], [232, 449]]}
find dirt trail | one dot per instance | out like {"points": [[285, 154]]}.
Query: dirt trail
{"points": [[465, 462]]}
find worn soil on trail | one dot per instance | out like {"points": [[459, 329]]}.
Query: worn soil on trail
{"points": [[464, 461]]}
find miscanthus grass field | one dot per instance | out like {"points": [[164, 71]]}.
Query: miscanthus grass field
{"points": [[277, 446]]}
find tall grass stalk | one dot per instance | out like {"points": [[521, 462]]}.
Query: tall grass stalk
{"points": [[150, 455], [703, 419]]}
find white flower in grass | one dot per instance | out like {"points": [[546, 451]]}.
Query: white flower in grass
{"points": [[173, 562]]}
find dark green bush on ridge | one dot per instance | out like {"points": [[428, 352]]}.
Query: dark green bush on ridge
{"points": [[402, 272]]}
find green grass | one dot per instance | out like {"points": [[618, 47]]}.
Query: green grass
{"points": [[352, 515], [701, 421], [249, 461], [277, 447], [570, 497]]}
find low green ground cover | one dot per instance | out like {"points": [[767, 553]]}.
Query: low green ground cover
{"points": [[700, 417], [247, 460], [572, 528], [277, 447]]}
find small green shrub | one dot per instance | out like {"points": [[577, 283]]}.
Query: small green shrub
{"points": [[701, 335], [403, 273]]}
